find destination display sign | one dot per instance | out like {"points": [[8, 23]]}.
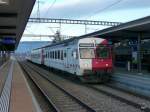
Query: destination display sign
{"points": [[86, 45]]}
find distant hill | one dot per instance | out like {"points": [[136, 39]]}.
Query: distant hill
{"points": [[27, 46]]}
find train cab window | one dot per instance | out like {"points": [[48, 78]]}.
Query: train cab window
{"points": [[102, 52], [87, 53]]}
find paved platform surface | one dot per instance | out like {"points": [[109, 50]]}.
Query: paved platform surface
{"points": [[15, 95], [131, 72], [132, 81], [21, 100]]}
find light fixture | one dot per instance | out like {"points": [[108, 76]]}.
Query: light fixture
{"points": [[5, 2]]}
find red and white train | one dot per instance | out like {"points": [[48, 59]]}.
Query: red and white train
{"points": [[88, 58]]}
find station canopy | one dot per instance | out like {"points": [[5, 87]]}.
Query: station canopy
{"points": [[129, 30], [14, 16]]}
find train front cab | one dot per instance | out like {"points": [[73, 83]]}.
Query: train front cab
{"points": [[95, 63]]}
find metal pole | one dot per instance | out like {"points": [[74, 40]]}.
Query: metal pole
{"points": [[139, 52], [85, 29], [0, 58]]}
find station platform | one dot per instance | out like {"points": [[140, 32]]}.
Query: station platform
{"points": [[121, 70], [132, 81], [15, 93]]}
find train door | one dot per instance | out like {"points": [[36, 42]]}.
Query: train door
{"points": [[68, 59]]}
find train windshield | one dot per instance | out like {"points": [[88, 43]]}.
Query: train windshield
{"points": [[102, 52], [87, 53]]}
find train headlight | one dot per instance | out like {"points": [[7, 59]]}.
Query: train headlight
{"points": [[106, 65], [85, 65]]}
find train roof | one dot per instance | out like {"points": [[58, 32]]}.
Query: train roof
{"points": [[64, 42]]}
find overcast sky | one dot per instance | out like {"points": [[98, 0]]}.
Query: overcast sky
{"points": [[101, 10]]}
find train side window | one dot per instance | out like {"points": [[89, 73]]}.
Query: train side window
{"points": [[51, 54], [77, 55], [55, 55], [74, 55], [59, 54], [65, 54], [48, 54], [62, 55]]}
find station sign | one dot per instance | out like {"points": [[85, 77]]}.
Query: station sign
{"points": [[8, 40]]}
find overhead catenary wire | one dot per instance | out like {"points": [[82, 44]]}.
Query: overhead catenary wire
{"points": [[50, 7], [107, 7]]}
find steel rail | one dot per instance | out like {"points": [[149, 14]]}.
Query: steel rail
{"points": [[136, 105], [51, 102], [62, 89]]}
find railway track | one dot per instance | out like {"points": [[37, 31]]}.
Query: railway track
{"points": [[96, 103], [126, 97], [61, 100]]}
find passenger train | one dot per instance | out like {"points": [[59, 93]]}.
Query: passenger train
{"points": [[88, 58]]}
